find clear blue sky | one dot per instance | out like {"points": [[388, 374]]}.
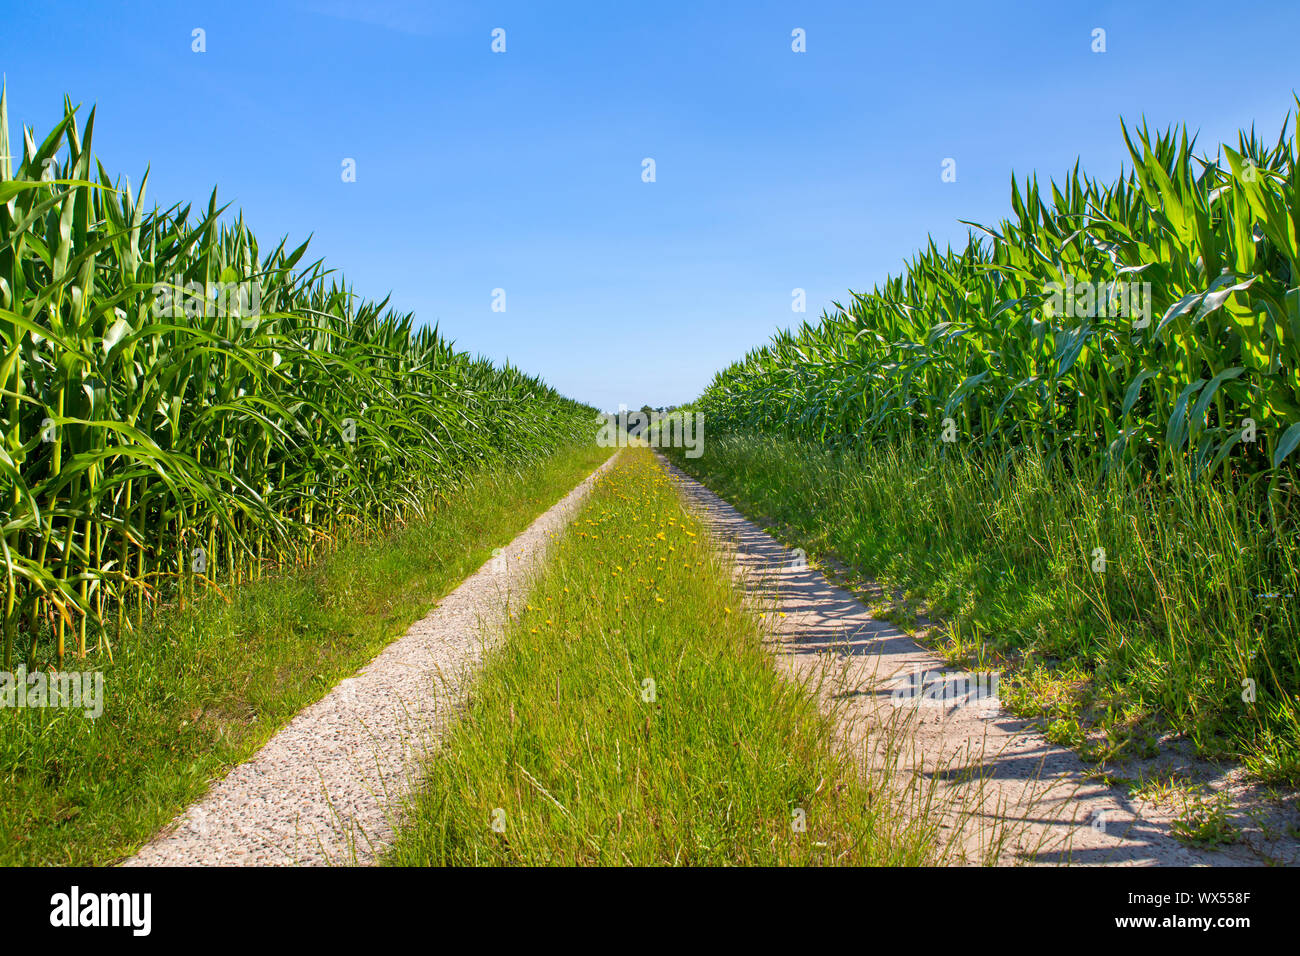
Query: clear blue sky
{"points": [[522, 170]]}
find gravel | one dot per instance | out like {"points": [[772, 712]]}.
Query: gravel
{"points": [[328, 787]]}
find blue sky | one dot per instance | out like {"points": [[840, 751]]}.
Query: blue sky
{"points": [[775, 170]]}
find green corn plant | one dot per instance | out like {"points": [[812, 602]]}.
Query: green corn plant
{"points": [[1202, 378], [162, 436]]}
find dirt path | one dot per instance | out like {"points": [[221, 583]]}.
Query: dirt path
{"points": [[324, 789], [1008, 794]]}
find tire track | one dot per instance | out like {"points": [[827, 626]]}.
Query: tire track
{"points": [[326, 789], [1004, 793]]}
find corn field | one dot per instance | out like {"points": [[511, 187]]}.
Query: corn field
{"points": [[1151, 325], [157, 442]]}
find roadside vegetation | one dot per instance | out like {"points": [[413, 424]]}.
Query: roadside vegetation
{"points": [[194, 692], [1190, 604], [183, 410], [1074, 441], [631, 715]]}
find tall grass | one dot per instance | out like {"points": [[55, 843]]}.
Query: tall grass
{"points": [[1190, 610], [147, 451]]}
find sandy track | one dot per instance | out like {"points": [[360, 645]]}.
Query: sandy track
{"points": [[1008, 794], [326, 788]]}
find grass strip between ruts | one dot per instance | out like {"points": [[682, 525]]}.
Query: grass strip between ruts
{"points": [[633, 716]]}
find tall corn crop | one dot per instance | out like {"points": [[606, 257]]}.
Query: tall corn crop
{"points": [[181, 410], [1151, 325]]}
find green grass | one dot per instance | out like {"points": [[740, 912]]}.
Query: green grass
{"points": [[198, 691], [1206, 821], [1197, 595], [565, 757]]}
